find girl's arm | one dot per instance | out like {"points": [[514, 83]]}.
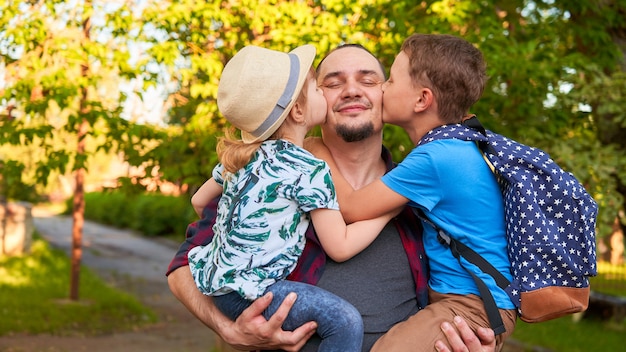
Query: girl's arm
{"points": [[206, 193], [340, 241]]}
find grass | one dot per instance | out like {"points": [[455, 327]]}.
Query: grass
{"points": [[34, 292], [564, 334], [586, 334]]}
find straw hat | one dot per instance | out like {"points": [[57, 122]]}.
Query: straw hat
{"points": [[259, 86]]}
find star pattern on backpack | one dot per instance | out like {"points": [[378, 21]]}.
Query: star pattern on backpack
{"points": [[550, 217]]}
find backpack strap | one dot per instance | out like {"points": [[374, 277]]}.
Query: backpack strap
{"points": [[473, 123], [459, 250]]}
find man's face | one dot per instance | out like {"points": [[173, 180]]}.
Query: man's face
{"points": [[351, 79]]}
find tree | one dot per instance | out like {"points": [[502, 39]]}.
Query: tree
{"points": [[63, 64], [556, 74], [600, 30]]}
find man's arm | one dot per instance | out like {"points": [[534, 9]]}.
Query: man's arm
{"points": [[465, 339], [250, 331]]}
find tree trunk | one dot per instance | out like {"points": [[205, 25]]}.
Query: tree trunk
{"points": [[617, 244], [78, 213]]}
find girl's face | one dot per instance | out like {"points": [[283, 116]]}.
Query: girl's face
{"points": [[315, 102]]}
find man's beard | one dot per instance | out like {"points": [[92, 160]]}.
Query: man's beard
{"points": [[355, 134]]}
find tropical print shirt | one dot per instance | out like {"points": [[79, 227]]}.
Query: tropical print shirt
{"points": [[311, 263], [262, 219]]}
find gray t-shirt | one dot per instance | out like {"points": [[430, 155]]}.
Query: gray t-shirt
{"points": [[378, 282]]}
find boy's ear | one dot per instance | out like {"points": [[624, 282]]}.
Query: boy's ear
{"points": [[424, 99]]}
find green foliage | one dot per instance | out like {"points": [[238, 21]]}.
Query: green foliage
{"points": [[556, 74], [611, 279], [148, 213], [33, 289], [63, 65], [532, 50], [157, 215], [110, 208], [12, 187]]}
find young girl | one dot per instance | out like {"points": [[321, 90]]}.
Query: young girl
{"points": [[270, 186]]}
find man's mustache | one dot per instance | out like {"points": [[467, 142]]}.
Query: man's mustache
{"points": [[353, 103]]}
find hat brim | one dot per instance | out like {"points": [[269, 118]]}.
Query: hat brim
{"points": [[306, 56]]}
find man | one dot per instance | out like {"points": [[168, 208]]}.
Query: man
{"points": [[387, 281], [434, 81]]}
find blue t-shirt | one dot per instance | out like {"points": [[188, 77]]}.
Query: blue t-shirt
{"points": [[451, 182]]}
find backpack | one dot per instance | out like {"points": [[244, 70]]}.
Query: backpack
{"points": [[550, 227]]}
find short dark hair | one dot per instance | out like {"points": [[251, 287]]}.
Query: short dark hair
{"points": [[352, 45]]}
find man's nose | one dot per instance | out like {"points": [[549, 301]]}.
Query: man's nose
{"points": [[352, 88]]}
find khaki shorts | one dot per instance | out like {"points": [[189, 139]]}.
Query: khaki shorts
{"points": [[419, 332]]}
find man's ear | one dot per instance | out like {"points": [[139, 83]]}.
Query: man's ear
{"points": [[424, 99]]}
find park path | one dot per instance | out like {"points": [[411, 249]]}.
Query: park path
{"points": [[134, 264]]}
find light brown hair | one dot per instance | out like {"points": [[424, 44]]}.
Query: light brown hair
{"points": [[451, 67]]}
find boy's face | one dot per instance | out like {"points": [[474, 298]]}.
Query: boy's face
{"points": [[399, 93]]}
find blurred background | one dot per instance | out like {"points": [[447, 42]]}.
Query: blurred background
{"points": [[108, 107]]}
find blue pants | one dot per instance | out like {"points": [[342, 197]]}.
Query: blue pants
{"points": [[339, 324]]}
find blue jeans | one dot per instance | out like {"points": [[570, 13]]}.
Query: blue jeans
{"points": [[339, 324]]}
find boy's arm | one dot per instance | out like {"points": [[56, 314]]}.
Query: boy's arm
{"points": [[207, 192], [368, 202]]}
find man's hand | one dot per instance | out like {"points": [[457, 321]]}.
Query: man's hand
{"points": [[464, 339], [252, 331]]}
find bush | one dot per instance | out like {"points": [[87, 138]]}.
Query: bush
{"points": [[149, 213], [158, 215], [110, 208]]}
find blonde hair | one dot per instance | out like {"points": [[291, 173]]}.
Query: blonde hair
{"points": [[232, 152]]}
